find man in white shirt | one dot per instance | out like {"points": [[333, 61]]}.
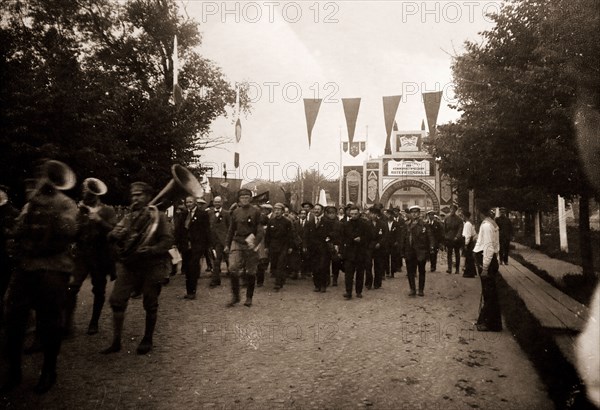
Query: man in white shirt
{"points": [[486, 258]]}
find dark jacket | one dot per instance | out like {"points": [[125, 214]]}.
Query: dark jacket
{"points": [[317, 238], [395, 237], [219, 225], [380, 234], [438, 231], [279, 234], [418, 242], [197, 236], [352, 250], [506, 228]]}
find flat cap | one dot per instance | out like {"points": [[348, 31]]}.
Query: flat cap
{"points": [[279, 205], [244, 191], [140, 187]]}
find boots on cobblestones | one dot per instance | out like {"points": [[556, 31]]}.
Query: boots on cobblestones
{"points": [[146, 344], [235, 290], [250, 290], [118, 319]]}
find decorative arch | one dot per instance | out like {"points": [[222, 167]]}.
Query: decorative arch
{"points": [[406, 183]]}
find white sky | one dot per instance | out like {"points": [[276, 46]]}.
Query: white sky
{"points": [[341, 49]]}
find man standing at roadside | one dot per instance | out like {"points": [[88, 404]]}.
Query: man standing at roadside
{"points": [[506, 235]]}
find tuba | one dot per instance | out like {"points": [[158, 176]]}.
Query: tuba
{"points": [[183, 183]]}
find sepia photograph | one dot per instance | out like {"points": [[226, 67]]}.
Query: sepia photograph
{"points": [[300, 204]]}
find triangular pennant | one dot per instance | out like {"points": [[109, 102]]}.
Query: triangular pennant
{"points": [[390, 106], [423, 125], [236, 160], [345, 146], [395, 126], [432, 107], [351, 106], [311, 110], [363, 146]]}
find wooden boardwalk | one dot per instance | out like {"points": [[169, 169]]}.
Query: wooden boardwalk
{"points": [[552, 308]]}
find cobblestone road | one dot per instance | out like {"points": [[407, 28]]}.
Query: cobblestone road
{"points": [[296, 349]]}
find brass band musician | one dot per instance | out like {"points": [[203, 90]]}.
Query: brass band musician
{"points": [[143, 239]]}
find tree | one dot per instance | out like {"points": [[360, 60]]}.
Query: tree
{"points": [[90, 82], [517, 91]]}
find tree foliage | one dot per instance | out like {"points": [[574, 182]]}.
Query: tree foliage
{"points": [[89, 82], [517, 91]]}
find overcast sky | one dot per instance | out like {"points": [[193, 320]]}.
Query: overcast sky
{"points": [[332, 50]]}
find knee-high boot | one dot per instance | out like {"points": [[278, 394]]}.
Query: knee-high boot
{"points": [[146, 344], [118, 319], [235, 289], [250, 290], [96, 311]]}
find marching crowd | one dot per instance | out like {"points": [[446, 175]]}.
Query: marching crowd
{"points": [[57, 243]]}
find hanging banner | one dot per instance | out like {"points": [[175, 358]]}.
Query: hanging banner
{"points": [[351, 106], [236, 160], [390, 106], [345, 146], [177, 91], [432, 107], [311, 110], [238, 130], [422, 125], [363, 146], [354, 148]]}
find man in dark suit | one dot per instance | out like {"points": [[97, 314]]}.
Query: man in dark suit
{"points": [[418, 245], [396, 231], [437, 228], [506, 235], [453, 227], [377, 249], [356, 235], [279, 241], [219, 220], [317, 233], [192, 237]]}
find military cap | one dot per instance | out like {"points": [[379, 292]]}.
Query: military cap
{"points": [[431, 211], [244, 191], [414, 207], [140, 188]]}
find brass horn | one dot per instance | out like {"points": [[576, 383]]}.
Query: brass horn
{"points": [[183, 183], [59, 174], [95, 186], [55, 173]]}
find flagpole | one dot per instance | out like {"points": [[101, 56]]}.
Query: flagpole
{"points": [[341, 168]]}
